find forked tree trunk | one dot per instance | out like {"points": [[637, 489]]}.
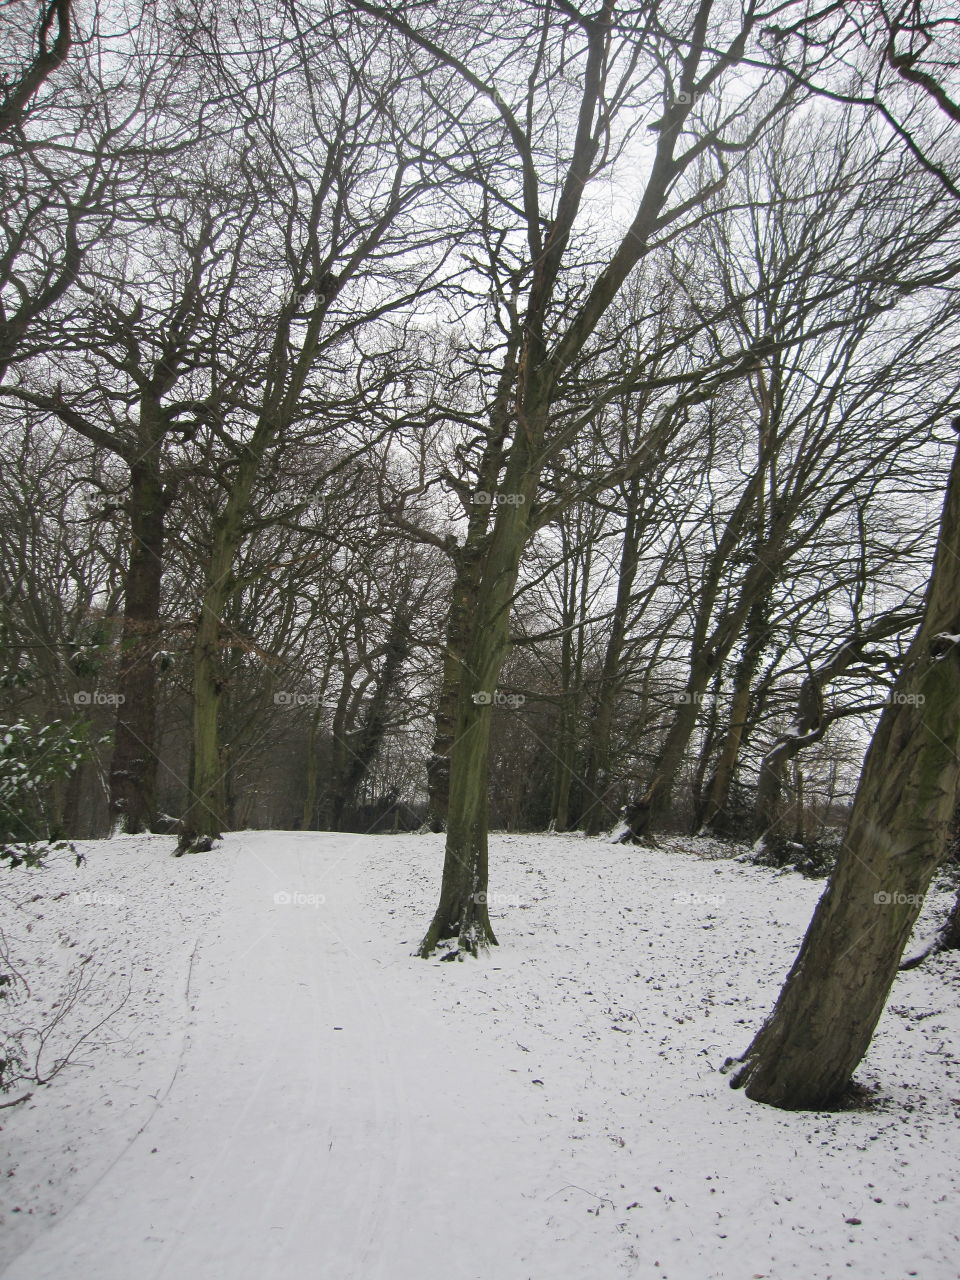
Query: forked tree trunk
{"points": [[805, 1054], [205, 812], [133, 766]]}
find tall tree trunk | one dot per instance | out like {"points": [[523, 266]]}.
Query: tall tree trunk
{"points": [[710, 735], [468, 565], [462, 910], [133, 767], [597, 816], [205, 816], [309, 815], [287, 377], [577, 565], [564, 760], [806, 1052], [463, 606], [721, 782]]}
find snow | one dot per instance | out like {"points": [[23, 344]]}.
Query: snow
{"points": [[288, 1093]]}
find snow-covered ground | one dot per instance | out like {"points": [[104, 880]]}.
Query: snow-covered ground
{"points": [[284, 1093]]}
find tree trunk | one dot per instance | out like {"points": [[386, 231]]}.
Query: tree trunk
{"points": [[598, 815], [133, 767], [462, 610], [365, 743], [468, 562], [805, 1054], [204, 818], [462, 911], [718, 797], [710, 734], [205, 815], [577, 565], [564, 761], [288, 373], [659, 795], [309, 814]]}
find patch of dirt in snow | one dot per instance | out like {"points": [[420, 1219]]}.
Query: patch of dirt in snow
{"points": [[327, 1105]]}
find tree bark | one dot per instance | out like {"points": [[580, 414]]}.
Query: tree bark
{"points": [[462, 910], [365, 743], [468, 562], [718, 797], [598, 816], [309, 814], [805, 1054], [133, 768], [463, 605], [205, 815], [204, 818]]}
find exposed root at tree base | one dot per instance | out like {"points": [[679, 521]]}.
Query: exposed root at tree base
{"points": [[471, 940]]}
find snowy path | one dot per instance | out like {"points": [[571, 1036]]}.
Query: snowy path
{"points": [[311, 1129], [328, 1107]]}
